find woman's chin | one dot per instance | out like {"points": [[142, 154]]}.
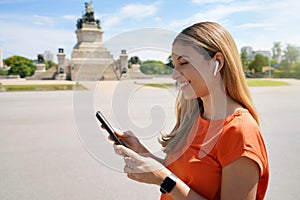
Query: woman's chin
{"points": [[189, 95]]}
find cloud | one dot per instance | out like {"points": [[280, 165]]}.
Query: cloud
{"points": [[133, 11], [70, 17], [211, 1], [218, 13], [10, 1], [42, 20], [139, 10], [254, 25], [33, 40]]}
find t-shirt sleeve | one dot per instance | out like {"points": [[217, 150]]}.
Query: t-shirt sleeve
{"points": [[242, 138]]}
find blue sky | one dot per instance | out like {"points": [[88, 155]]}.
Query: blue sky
{"points": [[29, 27]]}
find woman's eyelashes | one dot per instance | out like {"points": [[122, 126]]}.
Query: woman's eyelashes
{"points": [[184, 63]]}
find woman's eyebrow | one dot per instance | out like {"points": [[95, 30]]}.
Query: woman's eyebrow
{"points": [[182, 56]]}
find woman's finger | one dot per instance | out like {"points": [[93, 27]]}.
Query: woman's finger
{"points": [[118, 151], [129, 152], [128, 170]]}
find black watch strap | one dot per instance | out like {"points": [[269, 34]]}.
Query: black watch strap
{"points": [[168, 184]]}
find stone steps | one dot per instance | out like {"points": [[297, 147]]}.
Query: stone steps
{"points": [[44, 75]]}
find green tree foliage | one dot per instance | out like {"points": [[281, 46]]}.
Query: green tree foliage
{"points": [[155, 67], [276, 50], [20, 66], [170, 62], [244, 60], [296, 66], [3, 72], [49, 64], [259, 62], [291, 55]]}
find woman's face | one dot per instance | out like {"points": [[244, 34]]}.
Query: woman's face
{"points": [[191, 70]]}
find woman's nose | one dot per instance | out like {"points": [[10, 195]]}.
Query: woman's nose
{"points": [[175, 74]]}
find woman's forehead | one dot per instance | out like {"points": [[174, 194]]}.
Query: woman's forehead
{"points": [[180, 49]]}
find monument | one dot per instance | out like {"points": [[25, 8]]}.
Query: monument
{"points": [[41, 73], [90, 59], [40, 65], [62, 70]]}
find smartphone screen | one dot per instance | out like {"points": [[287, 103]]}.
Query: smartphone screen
{"points": [[109, 128]]}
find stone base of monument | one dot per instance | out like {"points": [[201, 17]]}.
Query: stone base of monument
{"points": [[135, 73], [44, 75], [61, 77], [40, 67], [91, 61]]}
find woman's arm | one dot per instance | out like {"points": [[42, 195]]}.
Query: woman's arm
{"points": [[240, 179]]}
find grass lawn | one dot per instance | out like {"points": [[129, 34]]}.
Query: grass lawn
{"points": [[264, 82], [160, 85], [50, 87], [250, 82]]}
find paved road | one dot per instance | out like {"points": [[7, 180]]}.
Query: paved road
{"points": [[52, 148]]}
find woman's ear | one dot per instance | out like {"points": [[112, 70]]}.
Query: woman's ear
{"points": [[216, 68], [219, 60]]}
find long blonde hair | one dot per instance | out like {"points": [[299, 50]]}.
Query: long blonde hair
{"points": [[212, 38]]}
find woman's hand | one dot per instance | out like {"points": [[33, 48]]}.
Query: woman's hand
{"points": [[131, 141], [140, 168]]}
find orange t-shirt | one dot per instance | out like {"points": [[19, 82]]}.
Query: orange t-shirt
{"points": [[211, 145]]}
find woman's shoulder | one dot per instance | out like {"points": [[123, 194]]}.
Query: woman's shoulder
{"points": [[241, 121], [240, 130]]}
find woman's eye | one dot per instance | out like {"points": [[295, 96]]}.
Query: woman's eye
{"points": [[184, 63]]}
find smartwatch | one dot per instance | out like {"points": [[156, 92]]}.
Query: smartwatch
{"points": [[168, 184]]}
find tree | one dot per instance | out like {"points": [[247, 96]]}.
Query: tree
{"points": [[49, 64], [244, 60], [20, 66], [276, 50], [284, 65], [259, 62], [291, 54], [170, 62], [155, 67]]}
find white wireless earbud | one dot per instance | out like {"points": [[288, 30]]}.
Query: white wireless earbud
{"points": [[216, 68]]}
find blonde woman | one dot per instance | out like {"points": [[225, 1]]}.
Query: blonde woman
{"points": [[215, 150]]}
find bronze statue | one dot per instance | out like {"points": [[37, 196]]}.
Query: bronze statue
{"points": [[88, 16], [40, 58]]}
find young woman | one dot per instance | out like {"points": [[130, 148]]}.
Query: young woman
{"points": [[215, 150]]}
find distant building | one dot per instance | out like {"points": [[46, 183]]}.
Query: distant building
{"points": [[48, 56], [248, 50], [251, 54]]}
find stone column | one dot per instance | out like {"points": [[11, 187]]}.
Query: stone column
{"points": [[61, 74], [123, 61]]}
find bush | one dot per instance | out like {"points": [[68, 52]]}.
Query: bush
{"points": [[280, 74], [155, 67], [20, 66]]}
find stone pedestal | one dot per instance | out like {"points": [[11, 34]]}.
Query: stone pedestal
{"points": [[40, 67], [63, 71], [135, 73], [124, 61], [61, 77], [91, 61]]}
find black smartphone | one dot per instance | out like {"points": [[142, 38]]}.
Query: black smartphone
{"points": [[109, 128]]}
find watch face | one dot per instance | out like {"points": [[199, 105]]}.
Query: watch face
{"points": [[168, 184]]}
